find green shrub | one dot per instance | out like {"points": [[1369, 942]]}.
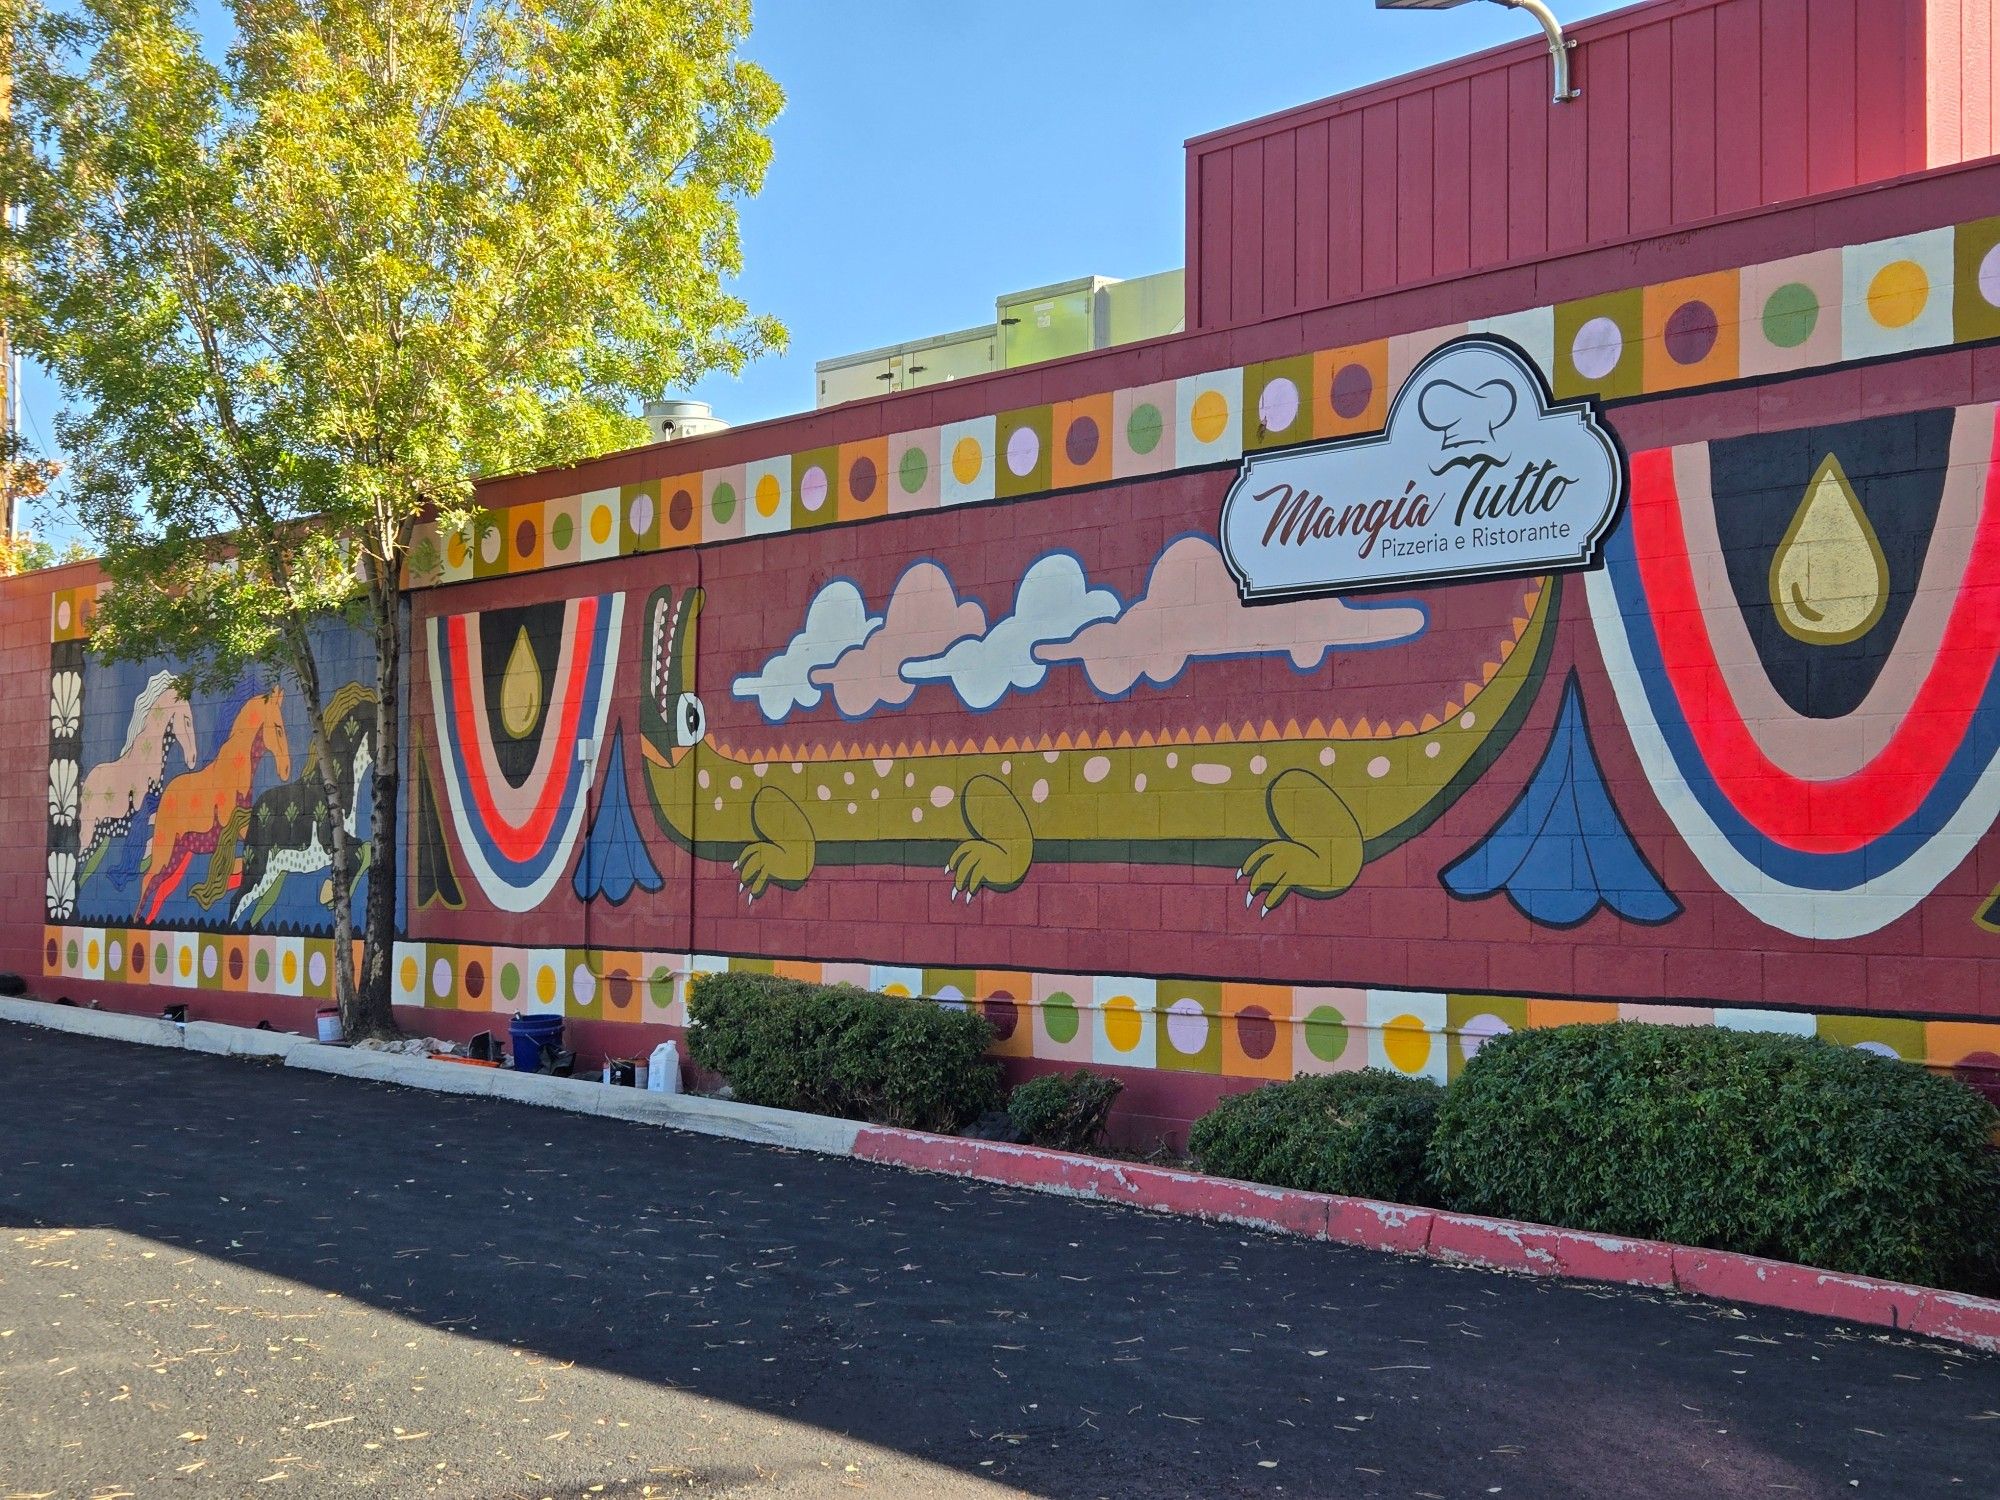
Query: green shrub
{"points": [[1358, 1133], [833, 1049], [1064, 1111], [1786, 1147]]}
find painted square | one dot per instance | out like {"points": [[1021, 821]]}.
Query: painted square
{"points": [[289, 966], [806, 969], [1351, 389], [423, 563], [525, 538], [661, 1000], [1006, 999], [865, 480], [1532, 331], [1692, 329], [408, 977], [767, 490], [235, 963], [913, 471], [90, 953], [212, 958], [1470, 1021], [1188, 1036], [621, 978], [639, 518], [1279, 396], [441, 976], [185, 973], [1209, 418], [1142, 430], [1598, 347], [507, 994], [583, 994], [318, 968], [562, 531], [1080, 441], [1406, 1033], [455, 552], [1780, 1022], [1976, 281], [475, 978], [1329, 1031], [954, 988], [1065, 1009], [160, 949], [489, 544], [1885, 1036], [965, 455], [1791, 314], [723, 503], [1023, 441], [114, 955], [1256, 1031], [816, 485], [52, 953], [1897, 294], [681, 511], [598, 511], [1407, 350], [1122, 1022]]}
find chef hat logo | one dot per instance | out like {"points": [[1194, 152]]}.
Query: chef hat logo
{"points": [[1466, 418]]}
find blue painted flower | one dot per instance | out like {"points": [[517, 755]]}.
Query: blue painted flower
{"points": [[615, 861], [1562, 850]]}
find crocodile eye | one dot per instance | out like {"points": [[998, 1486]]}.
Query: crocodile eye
{"points": [[690, 723]]}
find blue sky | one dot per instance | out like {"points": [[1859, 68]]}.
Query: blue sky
{"points": [[934, 153]]}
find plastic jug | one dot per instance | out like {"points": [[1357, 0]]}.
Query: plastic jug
{"points": [[663, 1071]]}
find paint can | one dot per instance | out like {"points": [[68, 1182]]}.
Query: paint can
{"points": [[330, 1029], [639, 1073], [618, 1072]]}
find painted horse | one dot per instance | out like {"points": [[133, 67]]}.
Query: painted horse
{"points": [[196, 807], [116, 791], [290, 831]]}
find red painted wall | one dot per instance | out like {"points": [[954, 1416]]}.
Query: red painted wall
{"points": [[1691, 110]]}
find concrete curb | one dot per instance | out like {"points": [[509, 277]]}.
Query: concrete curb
{"points": [[1398, 1228]]}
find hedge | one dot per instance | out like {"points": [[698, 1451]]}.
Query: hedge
{"points": [[1064, 1111], [1362, 1134], [1787, 1147], [834, 1049]]}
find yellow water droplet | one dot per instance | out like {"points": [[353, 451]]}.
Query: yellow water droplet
{"points": [[1829, 579], [521, 689]]}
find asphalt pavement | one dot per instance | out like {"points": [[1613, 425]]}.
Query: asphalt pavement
{"points": [[221, 1277]]}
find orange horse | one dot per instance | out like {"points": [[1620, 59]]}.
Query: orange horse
{"points": [[195, 806]]}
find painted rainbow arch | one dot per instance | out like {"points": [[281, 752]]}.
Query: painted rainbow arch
{"points": [[1823, 828], [518, 837]]}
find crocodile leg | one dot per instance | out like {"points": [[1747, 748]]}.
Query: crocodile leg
{"points": [[784, 849], [1002, 845], [1318, 848]]}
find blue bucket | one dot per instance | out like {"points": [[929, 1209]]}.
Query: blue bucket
{"points": [[531, 1036]]}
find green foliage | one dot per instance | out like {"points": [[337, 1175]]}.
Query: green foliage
{"points": [[1064, 1111], [1779, 1146], [833, 1049], [305, 287], [1360, 1133]]}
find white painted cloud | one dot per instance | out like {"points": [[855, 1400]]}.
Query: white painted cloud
{"points": [[1053, 603], [836, 622]]}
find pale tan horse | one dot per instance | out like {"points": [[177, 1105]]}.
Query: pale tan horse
{"points": [[195, 807]]}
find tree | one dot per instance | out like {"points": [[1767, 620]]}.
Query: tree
{"points": [[304, 296]]}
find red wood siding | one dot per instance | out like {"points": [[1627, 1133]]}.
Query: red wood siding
{"points": [[1691, 109]]}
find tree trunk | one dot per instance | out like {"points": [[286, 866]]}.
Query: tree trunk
{"points": [[374, 1006]]}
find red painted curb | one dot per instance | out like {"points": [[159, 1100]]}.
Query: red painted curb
{"points": [[1458, 1239]]}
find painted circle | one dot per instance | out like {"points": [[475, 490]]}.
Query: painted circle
{"points": [[90, 954], [600, 524], [1791, 313], [236, 964], [913, 470], [813, 488], [475, 979], [1059, 1017], [407, 972], [1989, 276], [52, 955], [1187, 1026], [1598, 346], [208, 961], [1406, 1044], [70, 954], [441, 978], [966, 458], [639, 514], [454, 550], [288, 967], [1353, 389], [489, 544], [1326, 1033], [1024, 451], [1480, 1030], [510, 981], [1256, 1032], [619, 990], [1691, 332], [316, 969], [951, 997], [114, 955], [62, 614], [1897, 293], [1144, 428], [862, 479], [1122, 1027], [722, 502], [524, 538], [1208, 418], [186, 964], [260, 966], [562, 531], [138, 956], [582, 984], [1002, 1014], [1080, 441], [1278, 406], [160, 958], [767, 495], [680, 509], [1981, 1070]]}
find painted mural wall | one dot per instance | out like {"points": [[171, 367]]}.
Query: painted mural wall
{"points": [[975, 712]]}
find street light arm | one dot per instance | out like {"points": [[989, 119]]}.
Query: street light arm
{"points": [[1558, 44]]}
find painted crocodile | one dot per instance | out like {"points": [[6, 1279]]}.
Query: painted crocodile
{"points": [[1321, 801]]}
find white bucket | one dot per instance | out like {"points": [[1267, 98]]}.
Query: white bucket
{"points": [[663, 1073], [329, 1026]]}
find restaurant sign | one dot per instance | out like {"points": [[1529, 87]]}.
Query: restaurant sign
{"points": [[1480, 473]]}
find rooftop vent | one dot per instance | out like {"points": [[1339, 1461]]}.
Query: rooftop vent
{"points": [[671, 421]]}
